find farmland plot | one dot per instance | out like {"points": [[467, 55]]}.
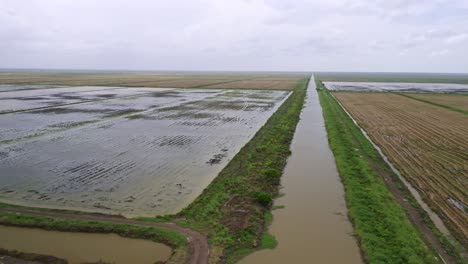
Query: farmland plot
{"points": [[428, 144], [397, 87], [138, 152], [452, 100], [275, 81], [257, 84]]}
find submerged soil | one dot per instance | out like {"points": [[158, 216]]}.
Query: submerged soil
{"points": [[83, 247], [313, 227], [130, 154]]}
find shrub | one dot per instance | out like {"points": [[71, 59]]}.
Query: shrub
{"points": [[272, 174], [263, 198]]}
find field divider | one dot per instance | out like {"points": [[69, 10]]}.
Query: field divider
{"points": [[434, 103], [363, 168]]}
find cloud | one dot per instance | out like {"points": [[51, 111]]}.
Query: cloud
{"points": [[432, 37], [439, 52], [234, 35], [456, 38]]}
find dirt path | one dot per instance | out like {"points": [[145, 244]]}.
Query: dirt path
{"points": [[199, 249]]}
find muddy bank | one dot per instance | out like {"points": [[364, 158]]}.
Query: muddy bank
{"points": [[83, 247], [313, 227]]}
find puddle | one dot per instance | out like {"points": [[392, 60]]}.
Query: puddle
{"points": [[313, 227], [83, 247]]}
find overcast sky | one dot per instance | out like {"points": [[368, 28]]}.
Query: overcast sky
{"points": [[284, 35]]}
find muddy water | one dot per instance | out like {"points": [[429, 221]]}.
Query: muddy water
{"points": [[313, 227], [83, 247]]}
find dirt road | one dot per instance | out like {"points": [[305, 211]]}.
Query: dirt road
{"points": [[199, 249]]}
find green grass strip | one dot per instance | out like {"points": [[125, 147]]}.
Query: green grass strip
{"points": [[381, 225], [436, 104], [252, 179]]}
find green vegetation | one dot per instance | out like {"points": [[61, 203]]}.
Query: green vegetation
{"points": [[380, 223], [168, 237], [437, 104], [268, 241], [263, 198], [232, 209], [273, 175]]}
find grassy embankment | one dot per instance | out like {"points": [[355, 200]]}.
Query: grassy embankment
{"points": [[234, 209], [176, 241], [384, 231], [437, 104]]}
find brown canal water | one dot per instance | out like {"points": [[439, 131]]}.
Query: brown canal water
{"points": [[83, 247], [313, 227]]}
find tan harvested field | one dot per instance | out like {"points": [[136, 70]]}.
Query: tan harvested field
{"points": [[459, 101], [257, 84], [166, 80], [428, 144], [184, 83]]}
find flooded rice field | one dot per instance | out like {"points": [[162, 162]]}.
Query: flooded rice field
{"points": [[79, 248], [130, 151], [10, 87], [313, 227], [397, 87]]}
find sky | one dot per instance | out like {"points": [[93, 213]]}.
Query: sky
{"points": [[236, 35]]}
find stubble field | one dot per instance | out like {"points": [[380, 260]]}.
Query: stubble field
{"points": [[427, 143], [454, 101], [274, 81]]}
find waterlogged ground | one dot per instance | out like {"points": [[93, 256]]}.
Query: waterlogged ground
{"points": [[130, 151], [397, 87], [83, 247]]}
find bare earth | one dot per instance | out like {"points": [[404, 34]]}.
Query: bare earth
{"points": [[428, 145]]}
